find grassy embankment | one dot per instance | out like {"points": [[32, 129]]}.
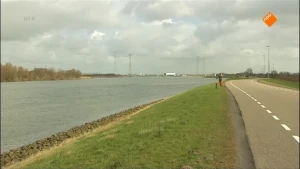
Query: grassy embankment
{"points": [[191, 129], [281, 83]]}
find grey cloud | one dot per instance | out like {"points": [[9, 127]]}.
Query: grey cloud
{"points": [[52, 15], [154, 10], [218, 10], [231, 34]]}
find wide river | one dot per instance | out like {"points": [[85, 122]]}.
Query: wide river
{"points": [[35, 110]]}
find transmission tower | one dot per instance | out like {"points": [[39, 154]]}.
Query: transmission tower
{"points": [[197, 66], [115, 63], [203, 67], [129, 68]]}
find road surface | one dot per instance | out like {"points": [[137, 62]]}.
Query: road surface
{"points": [[271, 118]]}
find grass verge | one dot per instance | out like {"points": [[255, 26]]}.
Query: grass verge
{"points": [[281, 83], [191, 129]]}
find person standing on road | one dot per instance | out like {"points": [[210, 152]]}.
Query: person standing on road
{"points": [[220, 78]]}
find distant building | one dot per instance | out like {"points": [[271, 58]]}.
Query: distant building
{"points": [[170, 74]]}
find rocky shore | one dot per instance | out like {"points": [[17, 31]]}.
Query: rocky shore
{"points": [[24, 152]]}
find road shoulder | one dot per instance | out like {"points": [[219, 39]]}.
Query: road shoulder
{"points": [[244, 151]]}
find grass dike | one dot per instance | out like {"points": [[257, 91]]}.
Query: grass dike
{"points": [[189, 130], [281, 83]]}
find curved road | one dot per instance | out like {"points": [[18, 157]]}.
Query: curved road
{"points": [[271, 117]]}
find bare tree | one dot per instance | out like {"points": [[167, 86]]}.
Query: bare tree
{"points": [[10, 72]]}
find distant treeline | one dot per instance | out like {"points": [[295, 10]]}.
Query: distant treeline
{"points": [[294, 77], [287, 76], [11, 73]]}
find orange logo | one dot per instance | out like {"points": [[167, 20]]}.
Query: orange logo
{"points": [[269, 19]]}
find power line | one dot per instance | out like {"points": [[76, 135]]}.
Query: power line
{"points": [[268, 63]]}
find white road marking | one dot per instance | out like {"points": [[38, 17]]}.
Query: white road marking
{"points": [[263, 106], [268, 111], [258, 102], [285, 127], [255, 100], [275, 117], [296, 138]]}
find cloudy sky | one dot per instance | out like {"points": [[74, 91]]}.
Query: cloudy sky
{"points": [[162, 36]]}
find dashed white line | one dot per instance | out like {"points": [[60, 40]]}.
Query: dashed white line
{"points": [[268, 111], [296, 138], [275, 117], [285, 127]]}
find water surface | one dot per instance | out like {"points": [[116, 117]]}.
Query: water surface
{"points": [[35, 110]]}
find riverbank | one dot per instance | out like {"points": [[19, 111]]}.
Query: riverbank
{"points": [[80, 78], [39, 80], [191, 129], [22, 153]]}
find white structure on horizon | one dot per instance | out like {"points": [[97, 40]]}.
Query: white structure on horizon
{"points": [[170, 74]]}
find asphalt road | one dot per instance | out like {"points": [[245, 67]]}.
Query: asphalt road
{"points": [[271, 118]]}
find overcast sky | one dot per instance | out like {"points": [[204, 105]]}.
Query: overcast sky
{"points": [[162, 36]]}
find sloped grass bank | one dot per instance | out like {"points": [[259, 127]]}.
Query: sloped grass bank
{"points": [[191, 129], [54, 141], [281, 83]]}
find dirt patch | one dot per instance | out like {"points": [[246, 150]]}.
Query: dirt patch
{"points": [[186, 167], [129, 122], [244, 152], [61, 138], [108, 136]]}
